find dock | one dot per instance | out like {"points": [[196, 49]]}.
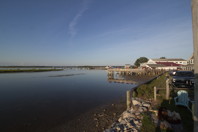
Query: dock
{"points": [[139, 72]]}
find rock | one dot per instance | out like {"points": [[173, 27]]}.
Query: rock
{"points": [[154, 118], [135, 102], [140, 110], [137, 113], [144, 108], [120, 127], [146, 105], [134, 130], [137, 122], [95, 119], [139, 117], [100, 115], [120, 119], [123, 122], [114, 124], [129, 125], [132, 123], [109, 130], [165, 125], [127, 115]]}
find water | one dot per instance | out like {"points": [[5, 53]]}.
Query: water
{"points": [[30, 101]]}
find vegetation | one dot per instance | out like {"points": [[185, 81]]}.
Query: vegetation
{"points": [[145, 91], [140, 60], [147, 124], [162, 57], [27, 70]]}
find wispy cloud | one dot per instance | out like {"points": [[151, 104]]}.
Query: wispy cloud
{"points": [[74, 22]]}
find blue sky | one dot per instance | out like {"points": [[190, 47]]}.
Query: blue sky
{"points": [[93, 32]]}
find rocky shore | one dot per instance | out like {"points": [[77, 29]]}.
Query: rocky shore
{"points": [[131, 120]]}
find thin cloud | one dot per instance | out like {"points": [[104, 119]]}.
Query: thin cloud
{"points": [[74, 22]]}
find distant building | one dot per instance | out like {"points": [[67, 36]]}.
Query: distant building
{"points": [[164, 64], [127, 66], [174, 60], [191, 60], [190, 64]]}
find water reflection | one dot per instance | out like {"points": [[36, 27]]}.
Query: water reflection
{"points": [[36, 102], [120, 78]]}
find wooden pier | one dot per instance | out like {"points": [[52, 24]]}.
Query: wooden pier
{"points": [[123, 71]]}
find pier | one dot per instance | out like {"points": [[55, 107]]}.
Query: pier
{"points": [[137, 72]]}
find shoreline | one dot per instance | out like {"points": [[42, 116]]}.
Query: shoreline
{"points": [[100, 118], [28, 70]]}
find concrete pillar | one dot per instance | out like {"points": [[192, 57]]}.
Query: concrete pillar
{"points": [[195, 43]]}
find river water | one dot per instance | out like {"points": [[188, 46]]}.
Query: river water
{"points": [[30, 101]]}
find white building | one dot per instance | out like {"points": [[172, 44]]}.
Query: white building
{"points": [[165, 64], [174, 60]]}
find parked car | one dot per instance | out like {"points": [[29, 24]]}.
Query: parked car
{"points": [[184, 79]]}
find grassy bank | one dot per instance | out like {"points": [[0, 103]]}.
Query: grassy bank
{"points": [[28, 70], [146, 91]]}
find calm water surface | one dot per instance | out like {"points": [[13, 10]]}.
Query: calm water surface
{"points": [[30, 101]]}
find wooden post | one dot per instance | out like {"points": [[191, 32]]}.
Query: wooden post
{"points": [[195, 43], [167, 89], [155, 93], [128, 97]]}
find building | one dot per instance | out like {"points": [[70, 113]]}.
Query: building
{"points": [[127, 66], [164, 64], [174, 60], [190, 64]]}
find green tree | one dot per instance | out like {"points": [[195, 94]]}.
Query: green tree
{"points": [[140, 60], [162, 57]]}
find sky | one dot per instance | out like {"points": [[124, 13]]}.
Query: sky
{"points": [[93, 32]]}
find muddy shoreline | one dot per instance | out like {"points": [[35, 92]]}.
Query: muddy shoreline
{"points": [[99, 118]]}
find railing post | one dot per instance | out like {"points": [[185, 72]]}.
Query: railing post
{"points": [[128, 97], [155, 93], [167, 89]]}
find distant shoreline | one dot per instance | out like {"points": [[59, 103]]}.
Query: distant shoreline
{"points": [[27, 70]]}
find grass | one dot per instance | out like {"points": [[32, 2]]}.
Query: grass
{"points": [[145, 91], [27, 70], [147, 124]]}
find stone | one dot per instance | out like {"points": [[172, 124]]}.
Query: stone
{"points": [[123, 122], [129, 125], [95, 119], [144, 108], [127, 115], [146, 105], [109, 130], [135, 102], [134, 130], [120, 119], [136, 122], [137, 113], [140, 110]]}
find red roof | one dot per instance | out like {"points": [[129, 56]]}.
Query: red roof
{"points": [[168, 63]]}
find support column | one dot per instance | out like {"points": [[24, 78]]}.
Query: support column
{"points": [[195, 43]]}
